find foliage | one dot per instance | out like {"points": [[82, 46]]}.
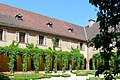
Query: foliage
{"points": [[65, 56], [47, 63], [55, 62], [25, 56], [54, 43], [65, 75], [83, 73], [94, 78], [3, 77], [108, 16], [76, 58], [33, 52], [12, 51], [37, 76]]}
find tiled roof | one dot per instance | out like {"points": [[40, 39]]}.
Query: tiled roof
{"points": [[92, 31], [37, 22]]}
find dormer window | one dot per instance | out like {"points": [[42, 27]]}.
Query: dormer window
{"points": [[70, 30], [19, 17], [50, 25]]}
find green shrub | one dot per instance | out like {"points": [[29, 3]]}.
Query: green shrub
{"points": [[91, 72], [94, 78], [81, 74], [65, 75], [45, 76], [58, 75], [3, 77]]}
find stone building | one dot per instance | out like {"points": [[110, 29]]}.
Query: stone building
{"points": [[29, 27]]}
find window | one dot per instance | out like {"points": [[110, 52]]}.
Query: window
{"points": [[50, 25], [22, 37], [4, 35], [70, 30], [26, 38], [17, 36], [1, 33], [41, 40], [82, 46], [78, 45], [69, 44], [19, 17], [57, 42]]}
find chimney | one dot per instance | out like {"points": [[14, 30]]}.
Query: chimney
{"points": [[91, 22]]}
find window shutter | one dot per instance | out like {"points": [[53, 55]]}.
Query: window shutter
{"points": [[17, 37], [69, 45], [4, 34], [26, 37], [37, 39], [78, 45], [83, 47], [60, 43], [45, 40]]}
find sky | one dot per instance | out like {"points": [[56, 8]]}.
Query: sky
{"points": [[73, 11]]}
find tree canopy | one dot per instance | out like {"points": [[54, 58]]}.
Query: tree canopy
{"points": [[108, 16]]}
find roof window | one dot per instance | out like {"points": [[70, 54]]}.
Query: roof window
{"points": [[50, 24], [70, 30], [19, 17]]}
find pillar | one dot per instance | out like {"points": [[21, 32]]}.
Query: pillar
{"points": [[87, 64]]}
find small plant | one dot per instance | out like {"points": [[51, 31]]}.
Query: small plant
{"points": [[3, 77], [65, 75]]}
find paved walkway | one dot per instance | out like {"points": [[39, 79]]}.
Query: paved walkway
{"points": [[73, 77]]}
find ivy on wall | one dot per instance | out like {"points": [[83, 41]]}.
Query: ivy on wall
{"points": [[55, 63], [98, 60], [34, 52]]}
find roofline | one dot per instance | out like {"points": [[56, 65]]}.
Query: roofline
{"points": [[13, 26], [85, 33]]}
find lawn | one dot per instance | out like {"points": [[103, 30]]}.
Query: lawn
{"points": [[31, 76]]}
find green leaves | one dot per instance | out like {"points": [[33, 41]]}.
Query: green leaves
{"points": [[108, 16], [34, 53]]}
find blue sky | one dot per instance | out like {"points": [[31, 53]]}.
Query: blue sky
{"points": [[73, 11]]}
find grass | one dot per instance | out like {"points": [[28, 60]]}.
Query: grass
{"points": [[35, 76], [94, 78], [65, 75], [83, 73], [4, 77]]}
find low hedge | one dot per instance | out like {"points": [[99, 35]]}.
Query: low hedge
{"points": [[94, 78], [65, 75], [3, 77], [36, 76]]}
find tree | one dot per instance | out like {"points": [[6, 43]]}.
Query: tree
{"points": [[108, 16]]}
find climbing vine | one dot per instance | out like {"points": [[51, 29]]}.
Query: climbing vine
{"points": [[76, 58], [47, 63], [25, 56], [65, 56], [99, 60], [55, 63], [34, 52], [54, 43], [12, 52]]}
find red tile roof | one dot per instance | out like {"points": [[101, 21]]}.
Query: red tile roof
{"points": [[37, 22]]}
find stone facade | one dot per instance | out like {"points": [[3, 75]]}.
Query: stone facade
{"points": [[39, 30]]}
